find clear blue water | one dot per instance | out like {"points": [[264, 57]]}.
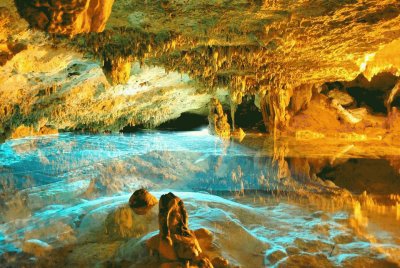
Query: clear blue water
{"points": [[41, 160], [64, 190]]}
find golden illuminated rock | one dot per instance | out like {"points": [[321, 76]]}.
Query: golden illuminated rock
{"points": [[118, 70], [282, 53], [218, 120], [7, 51], [239, 134], [24, 131], [66, 17], [174, 230], [393, 121], [142, 201], [177, 245]]}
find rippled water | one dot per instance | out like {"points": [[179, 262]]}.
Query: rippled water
{"points": [[283, 203]]}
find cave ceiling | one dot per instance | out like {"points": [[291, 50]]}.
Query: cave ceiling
{"points": [[266, 43], [264, 48]]}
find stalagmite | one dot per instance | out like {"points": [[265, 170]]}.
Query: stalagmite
{"points": [[176, 243], [218, 120], [233, 111], [264, 111], [274, 109]]}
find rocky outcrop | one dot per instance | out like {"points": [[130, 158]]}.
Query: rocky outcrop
{"points": [[24, 131], [66, 17]]}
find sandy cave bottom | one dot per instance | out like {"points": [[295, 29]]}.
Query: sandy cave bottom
{"points": [[64, 199]]}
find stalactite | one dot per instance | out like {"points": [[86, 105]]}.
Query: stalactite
{"points": [[279, 162], [235, 99], [264, 107], [233, 111], [274, 105], [118, 70], [395, 90]]}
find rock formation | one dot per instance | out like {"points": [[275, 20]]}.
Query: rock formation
{"points": [[282, 54], [142, 201], [177, 245], [134, 219], [118, 70], [175, 240], [218, 120], [66, 17]]}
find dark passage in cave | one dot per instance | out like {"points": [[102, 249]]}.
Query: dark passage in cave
{"points": [[248, 116], [370, 94], [186, 122]]}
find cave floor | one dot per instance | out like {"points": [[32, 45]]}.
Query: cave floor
{"points": [[327, 202]]}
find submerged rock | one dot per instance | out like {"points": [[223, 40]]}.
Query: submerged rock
{"points": [[276, 256], [306, 260]]}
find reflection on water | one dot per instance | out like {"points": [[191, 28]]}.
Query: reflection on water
{"points": [[288, 202]]}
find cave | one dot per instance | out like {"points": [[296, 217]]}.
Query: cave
{"points": [[202, 134]]}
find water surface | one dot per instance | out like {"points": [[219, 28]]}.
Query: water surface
{"points": [[268, 203]]}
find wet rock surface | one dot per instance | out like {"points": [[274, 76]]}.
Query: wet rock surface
{"points": [[142, 201], [176, 243]]}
